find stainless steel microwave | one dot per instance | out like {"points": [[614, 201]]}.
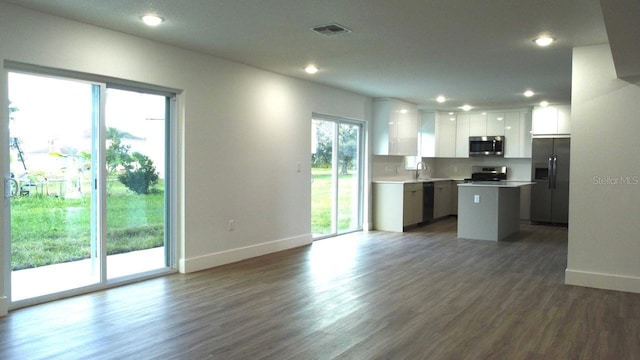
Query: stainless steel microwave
{"points": [[486, 145]]}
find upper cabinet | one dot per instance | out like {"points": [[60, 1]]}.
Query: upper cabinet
{"points": [[427, 134], [477, 124], [517, 134], [486, 124], [495, 124], [552, 120], [462, 135], [395, 128], [446, 132]]}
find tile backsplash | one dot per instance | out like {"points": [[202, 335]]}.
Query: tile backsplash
{"points": [[454, 168]]}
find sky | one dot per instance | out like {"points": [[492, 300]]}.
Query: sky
{"points": [[55, 115]]}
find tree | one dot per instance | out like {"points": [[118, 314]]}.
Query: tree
{"points": [[117, 154], [347, 145], [139, 173], [136, 171]]}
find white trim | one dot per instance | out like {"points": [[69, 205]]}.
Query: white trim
{"points": [[602, 281], [230, 256]]}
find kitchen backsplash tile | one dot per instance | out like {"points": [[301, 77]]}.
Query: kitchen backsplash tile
{"points": [[454, 168]]}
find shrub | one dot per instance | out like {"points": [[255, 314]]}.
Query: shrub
{"points": [[139, 173]]}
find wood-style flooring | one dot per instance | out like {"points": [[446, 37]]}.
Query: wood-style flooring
{"points": [[419, 295]]}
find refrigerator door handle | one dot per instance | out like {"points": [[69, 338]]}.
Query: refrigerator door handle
{"points": [[555, 170], [550, 173]]}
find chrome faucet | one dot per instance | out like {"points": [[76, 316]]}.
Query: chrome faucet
{"points": [[424, 167]]}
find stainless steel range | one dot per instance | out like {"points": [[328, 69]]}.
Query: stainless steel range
{"points": [[487, 173]]}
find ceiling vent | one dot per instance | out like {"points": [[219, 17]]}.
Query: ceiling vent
{"points": [[331, 29]]}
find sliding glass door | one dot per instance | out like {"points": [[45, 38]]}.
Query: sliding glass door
{"points": [[336, 191], [88, 169], [52, 157]]}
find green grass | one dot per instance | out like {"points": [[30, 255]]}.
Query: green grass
{"points": [[49, 230], [321, 195]]}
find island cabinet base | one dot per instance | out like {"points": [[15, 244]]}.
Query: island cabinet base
{"points": [[487, 212]]}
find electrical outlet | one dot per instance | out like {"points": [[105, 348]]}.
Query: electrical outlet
{"points": [[476, 199], [231, 225]]}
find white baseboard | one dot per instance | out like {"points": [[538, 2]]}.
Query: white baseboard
{"points": [[230, 256], [602, 281], [4, 306]]}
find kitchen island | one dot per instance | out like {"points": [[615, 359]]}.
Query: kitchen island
{"points": [[489, 210]]}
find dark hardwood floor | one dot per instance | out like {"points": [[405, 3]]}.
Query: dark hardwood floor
{"points": [[418, 295]]}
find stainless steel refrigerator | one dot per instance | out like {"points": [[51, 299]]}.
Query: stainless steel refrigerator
{"points": [[550, 172]]}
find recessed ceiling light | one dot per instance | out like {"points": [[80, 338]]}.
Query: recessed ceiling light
{"points": [[544, 103], [529, 93], [311, 69], [152, 20], [404, 111], [441, 99], [451, 113], [544, 40], [466, 107]]}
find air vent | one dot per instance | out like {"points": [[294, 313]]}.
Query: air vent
{"points": [[331, 29]]}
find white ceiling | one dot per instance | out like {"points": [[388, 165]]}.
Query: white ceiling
{"points": [[478, 52]]}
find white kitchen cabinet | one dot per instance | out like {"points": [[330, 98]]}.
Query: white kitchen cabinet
{"points": [[495, 124], [427, 134], [441, 199], [395, 128], [462, 135], [486, 123], [552, 120], [397, 205], [477, 124], [517, 134], [446, 132]]}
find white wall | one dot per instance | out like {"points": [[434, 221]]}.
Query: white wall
{"points": [[242, 131], [604, 209]]}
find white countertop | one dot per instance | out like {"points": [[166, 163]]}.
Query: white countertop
{"points": [[505, 183], [408, 181]]}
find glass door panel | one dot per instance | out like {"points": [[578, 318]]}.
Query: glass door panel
{"points": [[323, 186], [337, 177], [135, 173], [348, 178], [53, 242]]}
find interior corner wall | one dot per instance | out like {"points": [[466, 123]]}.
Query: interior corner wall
{"points": [[244, 131], [604, 219]]}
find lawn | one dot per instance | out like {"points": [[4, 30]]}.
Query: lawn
{"points": [[321, 195], [49, 230]]}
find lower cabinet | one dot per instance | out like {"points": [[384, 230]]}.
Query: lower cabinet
{"points": [[396, 205], [412, 204], [454, 196], [442, 199]]}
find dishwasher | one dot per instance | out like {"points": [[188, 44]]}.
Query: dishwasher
{"points": [[427, 201]]}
